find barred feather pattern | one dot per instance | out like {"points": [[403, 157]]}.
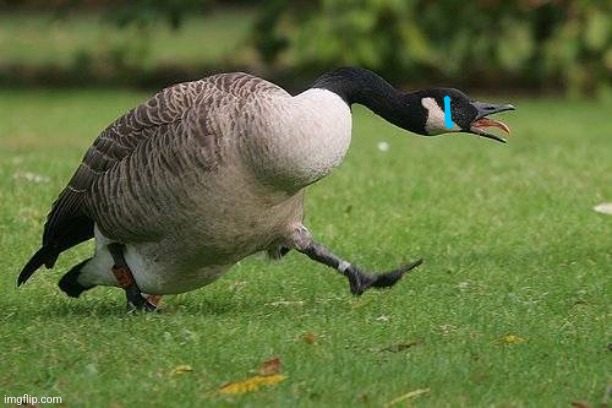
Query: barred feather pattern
{"points": [[147, 160]]}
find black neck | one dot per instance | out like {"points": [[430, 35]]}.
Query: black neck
{"points": [[358, 85]]}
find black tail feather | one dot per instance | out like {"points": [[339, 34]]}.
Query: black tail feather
{"points": [[73, 232], [69, 282], [44, 256]]}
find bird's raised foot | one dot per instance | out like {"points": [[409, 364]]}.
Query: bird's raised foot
{"points": [[360, 281]]}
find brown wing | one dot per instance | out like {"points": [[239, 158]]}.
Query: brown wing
{"points": [[67, 224], [153, 123]]}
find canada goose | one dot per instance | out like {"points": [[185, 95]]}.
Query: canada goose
{"points": [[206, 173]]}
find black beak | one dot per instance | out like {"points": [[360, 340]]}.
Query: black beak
{"points": [[481, 121]]}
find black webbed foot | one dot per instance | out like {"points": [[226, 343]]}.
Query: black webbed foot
{"points": [[360, 281]]}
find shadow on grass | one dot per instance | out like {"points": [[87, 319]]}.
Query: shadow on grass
{"points": [[103, 307]]}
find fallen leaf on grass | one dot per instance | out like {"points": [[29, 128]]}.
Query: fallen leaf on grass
{"points": [[181, 369], [510, 339], [270, 367], [310, 338], [411, 394], [252, 384], [267, 375]]}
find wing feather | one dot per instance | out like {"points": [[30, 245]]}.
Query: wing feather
{"points": [[134, 144], [117, 142]]}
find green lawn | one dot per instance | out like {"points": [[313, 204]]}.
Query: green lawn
{"points": [[511, 245], [32, 39]]}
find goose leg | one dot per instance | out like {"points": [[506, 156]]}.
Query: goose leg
{"points": [[359, 280], [135, 298]]}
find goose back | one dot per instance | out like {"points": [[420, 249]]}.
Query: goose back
{"points": [[133, 168]]}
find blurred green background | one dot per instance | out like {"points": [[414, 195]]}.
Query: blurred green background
{"points": [[534, 46]]}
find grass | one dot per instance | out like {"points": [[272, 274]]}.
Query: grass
{"points": [[40, 39], [510, 242]]}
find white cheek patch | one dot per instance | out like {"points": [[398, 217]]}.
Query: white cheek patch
{"points": [[435, 124]]}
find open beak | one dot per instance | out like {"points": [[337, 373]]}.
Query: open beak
{"points": [[479, 125]]}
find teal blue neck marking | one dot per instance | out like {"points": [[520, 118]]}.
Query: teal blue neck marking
{"points": [[448, 118]]}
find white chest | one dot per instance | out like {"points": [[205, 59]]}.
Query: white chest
{"points": [[301, 140]]}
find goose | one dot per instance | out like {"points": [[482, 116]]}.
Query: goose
{"points": [[206, 173]]}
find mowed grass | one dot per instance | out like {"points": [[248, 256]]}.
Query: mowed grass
{"points": [[510, 309], [35, 39]]}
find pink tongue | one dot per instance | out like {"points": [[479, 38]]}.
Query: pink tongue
{"points": [[486, 122]]}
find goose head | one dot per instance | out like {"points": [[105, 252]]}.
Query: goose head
{"points": [[448, 110], [423, 112]]}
